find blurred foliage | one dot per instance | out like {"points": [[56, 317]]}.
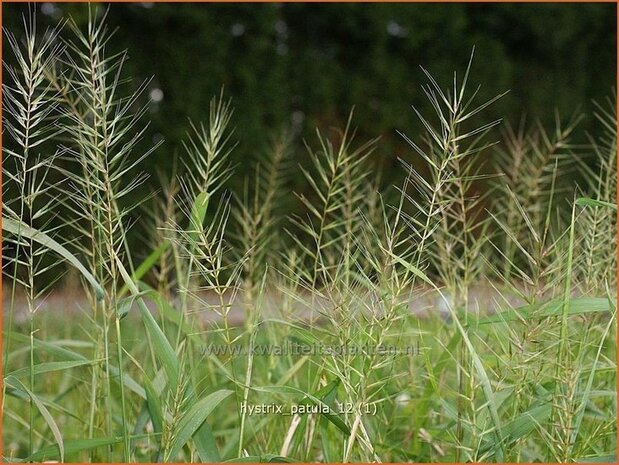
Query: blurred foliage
{"points": [[303, 66]]}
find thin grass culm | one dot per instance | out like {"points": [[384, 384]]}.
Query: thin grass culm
{"points": [[301, 306]]}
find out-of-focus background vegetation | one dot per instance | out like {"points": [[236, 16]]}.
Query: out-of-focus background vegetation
{"points": [[301, 66]]}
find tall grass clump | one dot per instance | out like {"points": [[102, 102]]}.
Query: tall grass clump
{"points": [[472, 318], [29, 117], [103, 128], [597, 258]]}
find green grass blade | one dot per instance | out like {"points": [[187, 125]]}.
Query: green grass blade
{"points": [[128, 381], [205, 444], [587, 202], [198, 213], [51, 347], [327, 395], [526, 422], [174, 316], [577, 306], [48, 367], [71, 447], [411, 269], [14, 382], [154, 405], [164, 351], [20, 228], [146, 265], [193, 419]]}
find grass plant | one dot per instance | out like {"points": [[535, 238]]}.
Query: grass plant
{"points": [[470, 319]]}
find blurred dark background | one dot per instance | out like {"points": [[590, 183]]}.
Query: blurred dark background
{"points": [[303, 66], [306, 65]]}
